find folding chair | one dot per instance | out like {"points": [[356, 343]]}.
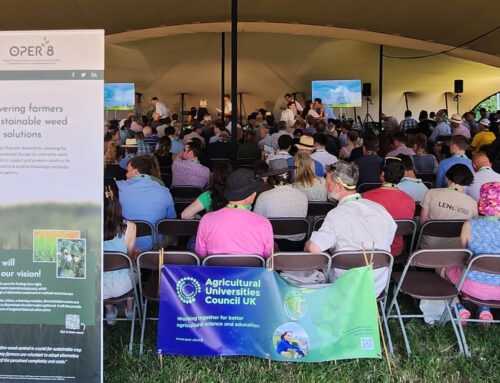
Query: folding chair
{"points": [[427, 177], [234, 260], [246, 162], [486, 263], [317, 224], [418, 210], [441, 229], [177, 228], [319, 208], [367, 186], [428, 285], [148, 289], [114, 261], [166, 175], [182, 193], [407, 228], [145, 229], [346, 260], [429, 185], [180, 206], [301, 261], [291, 226]]}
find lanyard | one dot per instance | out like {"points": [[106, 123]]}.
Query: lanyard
{"points": [[412, 180], [484, 168], [355, 198], [242, 207], [389, 185], [142, 176], [456, 189], [459, 156]]}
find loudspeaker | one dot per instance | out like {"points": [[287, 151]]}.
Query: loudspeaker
{"points": [[459, 86], [367, 89]]}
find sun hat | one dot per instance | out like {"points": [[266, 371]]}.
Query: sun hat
{"points": [[485, 122], [278, 166], [456, 118], [305, 142], [241, 184], [489, 199], [130, 143]]}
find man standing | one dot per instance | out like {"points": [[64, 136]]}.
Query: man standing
{"points": [[389, 123], [458, 146], [298, 107], [401, 148], [187, 170], [354, 222], [160, 107], [235, 229], [484, 174], [144, 199]]}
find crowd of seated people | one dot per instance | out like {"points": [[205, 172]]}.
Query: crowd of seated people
{"points": [[296, 161]]}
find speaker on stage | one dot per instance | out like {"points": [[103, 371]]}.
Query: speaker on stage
{"points": [[367, 89], [459, 86]]}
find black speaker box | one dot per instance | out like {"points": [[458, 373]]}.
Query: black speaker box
{"points": [[367, 89], [459, 86]]}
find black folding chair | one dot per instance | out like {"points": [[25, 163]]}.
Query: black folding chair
{"points": [[367, 186], [181, 193], [234, 260], [148, 286], [441, 229], [300, 261], [317, 224], [145, 229], [406, 228], [181, 228], [427, 178], [319, 208]]}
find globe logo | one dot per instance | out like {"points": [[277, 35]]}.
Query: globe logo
{"points": [[187, 289]]}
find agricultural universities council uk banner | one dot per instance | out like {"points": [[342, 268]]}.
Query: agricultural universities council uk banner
{"points": [[216, 311], [51, 146]]}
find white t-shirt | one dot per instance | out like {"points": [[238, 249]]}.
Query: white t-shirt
{"points": [[482, 176], [161, 109]]}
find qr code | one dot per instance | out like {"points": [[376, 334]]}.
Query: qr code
{"points": [[72, 321], [366, 343]]}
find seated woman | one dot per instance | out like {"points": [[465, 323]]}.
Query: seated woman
{"points": [[250, 149], [352, 139], [112, 158], [422, 162], [119, 235], [162, 154], [213, 199], [306, 180], [284, 344], [481, 236]]}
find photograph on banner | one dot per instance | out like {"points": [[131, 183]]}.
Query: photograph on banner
{"points": [[253, 311], [51, 204]]}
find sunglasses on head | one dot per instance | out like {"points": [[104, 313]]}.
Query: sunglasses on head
{"points": [[333, 170]]}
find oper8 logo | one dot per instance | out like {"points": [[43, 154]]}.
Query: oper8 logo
{"points": [[187, 289]]}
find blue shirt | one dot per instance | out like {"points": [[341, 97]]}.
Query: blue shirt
{"points": [[441, 129], [283, 345], [124, 161], [484, 240], [177, 146], [318, 168], [144, 199], [444, 165], [415, 188]]}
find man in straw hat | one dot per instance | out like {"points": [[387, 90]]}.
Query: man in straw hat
{"points": [[457, 127], [354, 221], [235, 229]]}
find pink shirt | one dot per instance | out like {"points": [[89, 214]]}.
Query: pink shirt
{"points": [[234, 231], [461, 130]]}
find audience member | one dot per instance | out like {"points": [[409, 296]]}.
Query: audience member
{"points": [[144, 199], [222, 148], [130, 152], [305, 179], [369, 163], [143, 149], [177, 146], [320, 154], [389, 123], [284, 146], [483, 137], [397, 203], [449, 203], [163, 154], [235, 229], [195, 133], [401, 148], [260, 168], [187, 170], [150, 137], [442, 128], [457, 127], [458, 146], [481, 237], [281, 131], [352, 139], [283, 201], [354, 222], [265, 137], [408, 123], [112, 168], [306, 145], [410, 184], [250, 149], [484, 174], [422, 161]]}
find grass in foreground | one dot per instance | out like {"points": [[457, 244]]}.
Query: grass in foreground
{"points": [[435, 359]]}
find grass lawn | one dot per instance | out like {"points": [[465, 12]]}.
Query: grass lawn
{"points": [[435, 359]]}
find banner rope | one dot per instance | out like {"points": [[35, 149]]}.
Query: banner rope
{"points": [[271, 260], [376, 305], [161, 256]]}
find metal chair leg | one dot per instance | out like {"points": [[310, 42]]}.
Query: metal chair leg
{"points": [[143, 326], [403, 330], [386, 326]]}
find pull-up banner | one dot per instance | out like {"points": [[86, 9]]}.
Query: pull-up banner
{"points": [[51, 150], [211, 311]]}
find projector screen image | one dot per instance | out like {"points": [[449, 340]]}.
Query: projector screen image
{"points": [[338, 93], [119, 96]]}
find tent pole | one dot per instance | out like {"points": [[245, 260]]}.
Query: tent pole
{"points": [[234, 76], [380, 79], [222, 72]]}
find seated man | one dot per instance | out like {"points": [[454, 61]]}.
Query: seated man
{"points": [[401, 148], [284, 146], [450, 203], [484, 174], [320, 154], [354, 221], [187, 170], [410, 184], [283, 201], [399, 204], [370, 162], [144, 199], [235, 229], [458, 146]]}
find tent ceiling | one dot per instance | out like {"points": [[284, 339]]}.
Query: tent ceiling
{"points": [[450, 23]]}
